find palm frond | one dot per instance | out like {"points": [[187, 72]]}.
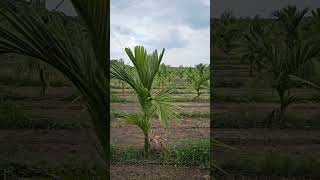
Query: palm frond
{"points": [[137, 119], [164, 108], [80, 60], [303, 81], [291, 99], [95, 14], [147, 65], [118, 71]]}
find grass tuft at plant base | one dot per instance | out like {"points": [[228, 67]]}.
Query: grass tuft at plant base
{"points": [[116, 99], [188, 114], [186, 152]]}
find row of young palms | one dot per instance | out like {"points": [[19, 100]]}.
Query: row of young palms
{"points": [[197, 77], [278, 49]]}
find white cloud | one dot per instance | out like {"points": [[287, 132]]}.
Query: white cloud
{"points": [[180, 26]]}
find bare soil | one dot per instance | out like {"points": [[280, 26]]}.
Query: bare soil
{"points": [[58, 147], [189, 128], [156, 172]]}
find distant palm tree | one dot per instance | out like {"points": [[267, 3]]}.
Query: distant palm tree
{"points": [[199, 78], [250, 44], [163, 75], [290, 18], [314, 34], [181, 72], [285, 57], [201, 68], [225, 32], [281, 67], [32, 68]]}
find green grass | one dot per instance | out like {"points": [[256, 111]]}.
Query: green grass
{"points": [[195, 114], [258, 120], [175, 91], [116, 99], [117, 86], [248, 95], [187, 114], [187, 152]]}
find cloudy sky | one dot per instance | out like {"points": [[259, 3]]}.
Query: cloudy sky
{"points": [[179, 26]]}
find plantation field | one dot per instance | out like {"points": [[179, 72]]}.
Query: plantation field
{"points": [[193, 126], [241, 109], [55, 128], [265, 99]]}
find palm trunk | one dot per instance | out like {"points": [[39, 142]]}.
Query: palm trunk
{"points": [[43, 83], [146, 145], [198, 94], [251, 68], [281, 115], [282, 108]]}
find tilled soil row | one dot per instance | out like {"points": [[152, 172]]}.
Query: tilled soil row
{"points": [[268, 137], [157, 172]]}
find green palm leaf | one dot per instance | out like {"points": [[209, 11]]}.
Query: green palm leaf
{"points": [[147, 65], [164, 107], [303, 81], [82, 60], [137, 119]]}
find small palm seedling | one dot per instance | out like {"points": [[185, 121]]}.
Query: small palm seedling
{"points": [[181, 72], [247, 46], [199, 78], [32, 68], [283, 57], [121, 83], [281, 67], [290, 18], [189, 72], [288, 57], [141, 81], [311, 29], [163, 76], [201, 68]]}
